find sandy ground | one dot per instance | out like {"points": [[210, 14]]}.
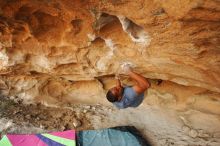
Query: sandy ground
{"points": [[160, 126]]}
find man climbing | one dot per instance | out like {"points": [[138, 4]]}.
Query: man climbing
{"points": [[128, 96]]}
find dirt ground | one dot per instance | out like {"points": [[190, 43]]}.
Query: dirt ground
{"points": [[47, 118]]}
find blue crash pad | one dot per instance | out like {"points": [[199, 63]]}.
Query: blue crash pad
{"points": [[117, 136]]}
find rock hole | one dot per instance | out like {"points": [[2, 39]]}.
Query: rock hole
{"points": [[77, 25], [158, 12], [159, 81], [136, 32], [24, 13], [102, 20]]}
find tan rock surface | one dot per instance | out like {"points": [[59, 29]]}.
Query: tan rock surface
{"points": [[67, 51]]}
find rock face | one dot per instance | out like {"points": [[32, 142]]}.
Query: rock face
{"points": [[59, 45], [67, 51]]}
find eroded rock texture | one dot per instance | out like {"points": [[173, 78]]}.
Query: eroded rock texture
{"points": [[86, 40], [66, 51]]}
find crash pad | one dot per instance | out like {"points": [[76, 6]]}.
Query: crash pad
{"points": [[116, 136], [65, 138]]}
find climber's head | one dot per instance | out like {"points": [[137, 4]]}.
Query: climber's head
{"points": [[114, 94]]}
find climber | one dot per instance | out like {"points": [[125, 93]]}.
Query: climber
{"points": [[128, 96]]}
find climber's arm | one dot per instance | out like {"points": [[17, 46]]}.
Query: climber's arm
{"points": [[142, 82], [118, 82]]}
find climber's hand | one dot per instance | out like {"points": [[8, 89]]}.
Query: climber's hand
{"points": [[125, 69]]}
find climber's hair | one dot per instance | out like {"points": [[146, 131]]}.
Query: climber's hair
{"points": [[111, 97]]}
